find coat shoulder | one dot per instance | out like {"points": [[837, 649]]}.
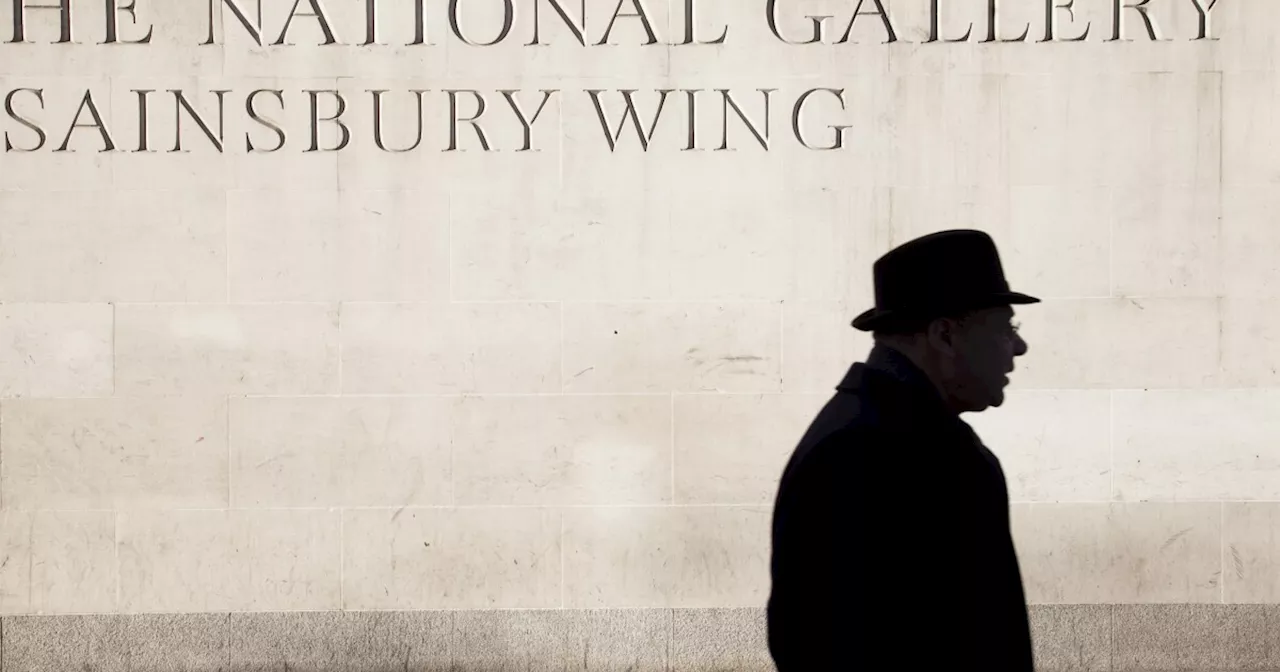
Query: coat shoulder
{"points": [[836, 449]]}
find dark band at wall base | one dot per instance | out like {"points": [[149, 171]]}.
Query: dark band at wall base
{"points": [[1086, 638]]}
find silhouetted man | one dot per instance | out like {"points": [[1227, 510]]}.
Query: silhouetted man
{"points": [[891, 541]]}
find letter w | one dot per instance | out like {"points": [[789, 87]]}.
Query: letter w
{"points": [[614, 136]]}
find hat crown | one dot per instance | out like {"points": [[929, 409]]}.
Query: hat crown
{"points": [[946, 268], [938, 275]]}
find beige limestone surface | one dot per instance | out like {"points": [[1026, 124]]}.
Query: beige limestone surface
{"points": [[252, 359]]}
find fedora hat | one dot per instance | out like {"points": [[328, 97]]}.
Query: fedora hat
{"points": [[937, 275]]}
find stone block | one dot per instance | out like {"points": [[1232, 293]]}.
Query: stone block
{"points": [[686, 556], [442, 348], [341, 451], [520, 641], [1192, 637], [1209, 445], [661, 347], [792, 241], [349, 245], [1054, 445], [819, 346], [732, 448], [1251, 553], [231, 349], [1057, 238], [1250, 145], [1247, 207], [117, 643], [1250, 340], [1164, 242], [55, 350], [628, 640], [595, 237], [59, 251], [720, 640], [230, 560], [340, 641], [1074, 343], [562, 450], [115, 453], [1149, 552], [464, 558], [1071, 637], [15, 563], [73, 562], [1052, 141]]}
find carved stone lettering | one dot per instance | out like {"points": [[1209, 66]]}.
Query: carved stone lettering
{"points": [[143, 135], [526, 122], [620, 112], [637, 116], [690, 25], [419, 23], [1202, 10], [370, 22], [494, 125], [377, 121], [253, 113], [113, 23], [935, 25], [87, 104], [336, 118], [508, 21], [993, 25], [629, 112], [577, 27], [20, 8], [1052, 14], [318, 12], [181, 104], [41, 138], [413, 22], [818, 33], [891, 34], [1119, 15], [473, 120], [693, 119], [729, 102], [254, 28], [640, 13], [798, 111], [819, 25]]}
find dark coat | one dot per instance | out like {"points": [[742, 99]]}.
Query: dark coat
{"points": [[891, 542]]}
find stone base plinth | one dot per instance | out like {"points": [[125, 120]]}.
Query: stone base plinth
{"points": [[1094, 638]]}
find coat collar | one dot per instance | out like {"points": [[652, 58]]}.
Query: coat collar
{"points": [[886, 365]]}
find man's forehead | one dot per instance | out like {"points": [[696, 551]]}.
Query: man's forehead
{"points": [[998, 313]]}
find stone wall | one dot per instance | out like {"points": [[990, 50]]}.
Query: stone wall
{"points": [[302, 322]]}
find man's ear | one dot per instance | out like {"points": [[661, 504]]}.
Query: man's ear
{"points": [[941, 334]]}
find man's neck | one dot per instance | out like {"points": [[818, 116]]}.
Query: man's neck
{"points": [[908, 367]]}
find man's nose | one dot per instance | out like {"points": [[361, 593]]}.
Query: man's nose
{"points": [[1019, 346]]}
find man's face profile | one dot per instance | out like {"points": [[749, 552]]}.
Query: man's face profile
{"points": [[982, 350]]}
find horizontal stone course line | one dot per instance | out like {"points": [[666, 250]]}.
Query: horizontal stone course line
{"points": [[814, 393], [641, 505], [1093, 638], [558, 300]]}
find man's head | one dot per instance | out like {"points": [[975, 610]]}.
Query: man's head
{"points": [[942, 300], [968, 356]]}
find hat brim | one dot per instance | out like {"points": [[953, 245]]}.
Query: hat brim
{"points": [[876, 319]]}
